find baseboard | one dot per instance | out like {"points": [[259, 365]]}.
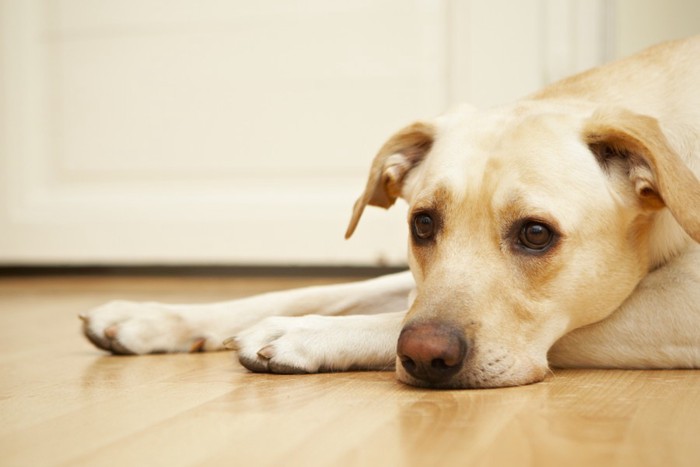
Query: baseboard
{"points": [[196, 270]]}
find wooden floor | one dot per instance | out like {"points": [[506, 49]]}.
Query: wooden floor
{"points": [[62, 402]]}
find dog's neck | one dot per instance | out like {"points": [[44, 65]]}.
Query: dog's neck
{"points": [[666, 239]]}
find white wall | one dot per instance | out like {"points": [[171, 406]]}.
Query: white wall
{"points": [[641, 23], [232, 131]]}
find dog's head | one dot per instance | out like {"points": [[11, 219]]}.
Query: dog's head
{"points": [[524, 225]]}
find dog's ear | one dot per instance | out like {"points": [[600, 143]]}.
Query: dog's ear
{"points": [[635, 144], [401, 153]]}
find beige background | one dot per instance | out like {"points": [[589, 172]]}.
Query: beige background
{"points": [[211, 131]]}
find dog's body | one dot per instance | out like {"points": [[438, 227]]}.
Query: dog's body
{"points": [[560, 230]]}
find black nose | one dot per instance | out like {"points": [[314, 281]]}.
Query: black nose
{"points": [[431, 352]]}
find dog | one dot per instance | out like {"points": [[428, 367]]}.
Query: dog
{"points": [[561, 231]]}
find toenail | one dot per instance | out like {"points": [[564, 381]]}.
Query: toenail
{"points": [[266, 352], [111, 332]]}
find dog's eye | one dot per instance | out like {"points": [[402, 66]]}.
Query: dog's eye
{"points": [[535, 236], [423, 226]]}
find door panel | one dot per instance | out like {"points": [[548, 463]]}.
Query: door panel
{"points": [[153, 131]]}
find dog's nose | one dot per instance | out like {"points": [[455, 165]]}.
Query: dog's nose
{"points": [[431, 352]]}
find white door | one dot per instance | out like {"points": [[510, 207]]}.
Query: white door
{"points": [[209, 131]]}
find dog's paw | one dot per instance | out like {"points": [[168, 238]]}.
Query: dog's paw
{"points": [[285, 345], [130, 328]]}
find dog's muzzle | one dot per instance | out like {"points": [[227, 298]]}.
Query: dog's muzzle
{"points": [[432, 352]]}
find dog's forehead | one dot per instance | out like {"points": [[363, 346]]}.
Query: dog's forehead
{"points": [[531, 156]]}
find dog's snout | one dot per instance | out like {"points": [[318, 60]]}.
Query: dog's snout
{"points": [[431, 352]]}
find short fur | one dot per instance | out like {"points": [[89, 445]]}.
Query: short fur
{"points": [[608, 160]]}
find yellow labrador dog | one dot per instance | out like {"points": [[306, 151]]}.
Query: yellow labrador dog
{"points": [[561, 230]]}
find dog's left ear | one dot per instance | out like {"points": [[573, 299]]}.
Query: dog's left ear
{"points": [[635, 143], [401, 153]]}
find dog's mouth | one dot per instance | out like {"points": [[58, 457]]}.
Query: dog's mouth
{"points": [[438, 355], [481, 376]]}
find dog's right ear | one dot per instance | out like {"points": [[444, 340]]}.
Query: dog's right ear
{"points": [[658, 175], [401, 153]]}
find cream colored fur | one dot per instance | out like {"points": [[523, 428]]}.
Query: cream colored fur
{"points": [[610, 159]]}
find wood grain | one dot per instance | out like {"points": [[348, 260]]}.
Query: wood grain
{"points": [[65, 403]]}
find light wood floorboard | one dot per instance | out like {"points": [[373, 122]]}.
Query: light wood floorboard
{"points": [[63, 402]]}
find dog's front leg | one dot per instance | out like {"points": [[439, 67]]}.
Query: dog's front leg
{"points": [[124, 327], [313, 343], [658, 326]]}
